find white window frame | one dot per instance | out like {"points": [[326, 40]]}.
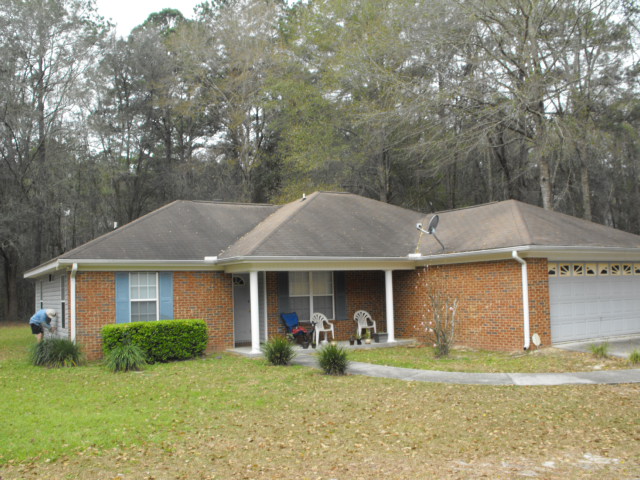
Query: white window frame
{"points": [[310, 294], [135, 300], [63, 302]]}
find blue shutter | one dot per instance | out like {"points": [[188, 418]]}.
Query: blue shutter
{"points": [[123, 300], [340, 295], [165, 281], [283, 292]]}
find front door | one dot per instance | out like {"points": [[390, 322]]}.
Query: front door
{"points": [[241, 309]]}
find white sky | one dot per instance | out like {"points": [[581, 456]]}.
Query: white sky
{"points": [[127, 14]]}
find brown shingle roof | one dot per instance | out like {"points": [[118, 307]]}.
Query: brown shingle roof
{"points": [[330, 224], [511, 223], [182, 230], [341, 225]]}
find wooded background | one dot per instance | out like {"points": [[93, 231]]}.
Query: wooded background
{"points": [[431, 105]]}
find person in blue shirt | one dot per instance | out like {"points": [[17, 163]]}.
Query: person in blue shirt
{"points": [[42, 319]]}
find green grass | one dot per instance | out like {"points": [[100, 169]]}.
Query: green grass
{"points": [[464, 360], [230, 417], [599, 350]]}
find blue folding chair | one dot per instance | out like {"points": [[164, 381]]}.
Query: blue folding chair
{"points": [[292, 324]]}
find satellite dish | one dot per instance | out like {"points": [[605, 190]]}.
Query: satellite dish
{"points": [[433, 223], [431, 229], [535, 338]]}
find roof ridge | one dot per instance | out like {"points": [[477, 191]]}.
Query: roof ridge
{"points": [[305, 200], [107, 235], [222, 202], [523, 221]]}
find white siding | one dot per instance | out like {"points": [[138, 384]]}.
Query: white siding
{"points": [[51, 292]]}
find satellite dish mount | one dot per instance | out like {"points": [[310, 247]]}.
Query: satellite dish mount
{"points": [[431, 228]]}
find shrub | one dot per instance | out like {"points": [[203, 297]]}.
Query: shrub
{"points": [[279, 351], [634, 358], [161, 341], [600, 350], [333, 360], [56, 352], [125, 357]]}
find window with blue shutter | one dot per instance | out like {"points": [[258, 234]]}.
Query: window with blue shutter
{"points": [[123, 303], [144, 296]]}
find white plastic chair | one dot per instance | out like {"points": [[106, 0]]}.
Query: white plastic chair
{"points": [[364, 321], [321, 324]]}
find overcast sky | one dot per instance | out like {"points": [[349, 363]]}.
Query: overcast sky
{"points": [[128, 14]]}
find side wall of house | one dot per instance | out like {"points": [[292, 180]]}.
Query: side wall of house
{"points": [[198, 295], [52, 291], [207, 296], [490, 302]]}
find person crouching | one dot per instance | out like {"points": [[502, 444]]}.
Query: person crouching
{"points": [[42, 319]]}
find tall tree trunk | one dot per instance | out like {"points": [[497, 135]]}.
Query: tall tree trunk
{"points": [[586, 193], [545, 184]]}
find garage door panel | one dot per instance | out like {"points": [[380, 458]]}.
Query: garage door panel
{"points": [[584, 307]]}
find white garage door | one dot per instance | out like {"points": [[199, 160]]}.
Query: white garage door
{"points": [[591, 300]]}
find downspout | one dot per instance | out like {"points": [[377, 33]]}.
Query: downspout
{"points": [[525, 297], [72, 301]]}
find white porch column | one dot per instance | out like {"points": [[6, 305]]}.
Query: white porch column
{"points": [[255, 312], [388, 288]]}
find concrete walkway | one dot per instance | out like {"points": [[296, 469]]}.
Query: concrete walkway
{"points": [[523, 379]]}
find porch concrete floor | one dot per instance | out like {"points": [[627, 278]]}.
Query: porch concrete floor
{"points": [[246, 351]]}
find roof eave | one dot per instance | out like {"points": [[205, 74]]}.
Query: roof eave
{"points": [[551, 252], [292, 263], [103, 265]]}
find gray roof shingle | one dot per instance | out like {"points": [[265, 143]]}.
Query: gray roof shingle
{"points": [[338, 225], [511, 223], [182, 230]]}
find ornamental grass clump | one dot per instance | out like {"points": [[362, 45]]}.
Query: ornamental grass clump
{"points": [[333, 360], [55, 353], [125, 357], [634, 358], [600, 350], [279, 351]]}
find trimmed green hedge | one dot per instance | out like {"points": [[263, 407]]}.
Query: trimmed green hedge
{"points": [[161, 341]]}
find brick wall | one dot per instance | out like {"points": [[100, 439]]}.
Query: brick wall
{"points": [[207, 296], [203, 295], [490, 302], [96, 307]]}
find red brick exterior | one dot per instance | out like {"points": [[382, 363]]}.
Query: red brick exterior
{"points": [[490, 302], [206, 296], [490, 296], [96, 307], [203, 295]]}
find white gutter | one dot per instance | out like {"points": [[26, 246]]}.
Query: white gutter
{"points": [[72, 301], [525, 298]]}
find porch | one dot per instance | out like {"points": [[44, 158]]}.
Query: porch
{"points": [[260, 297], [247, 351]]}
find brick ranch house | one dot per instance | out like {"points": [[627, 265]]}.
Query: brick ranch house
{"points": [[516, 270]]}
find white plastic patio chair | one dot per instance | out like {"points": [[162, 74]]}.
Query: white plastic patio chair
{"points": [[364, 321], [321, 324]]}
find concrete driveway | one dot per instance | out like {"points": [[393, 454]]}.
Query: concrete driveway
{"points": [[619, 347]]}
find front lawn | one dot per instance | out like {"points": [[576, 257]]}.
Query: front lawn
{"points": [[548, 360], [227, 417]]}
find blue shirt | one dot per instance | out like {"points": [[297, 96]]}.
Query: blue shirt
{"points": [[41, 318]]}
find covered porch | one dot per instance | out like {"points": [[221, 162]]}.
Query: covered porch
{"points": [[261, 296]]}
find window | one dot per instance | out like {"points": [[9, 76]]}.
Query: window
{"points": [[553, 269], [311, 292], [144, 296]]}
